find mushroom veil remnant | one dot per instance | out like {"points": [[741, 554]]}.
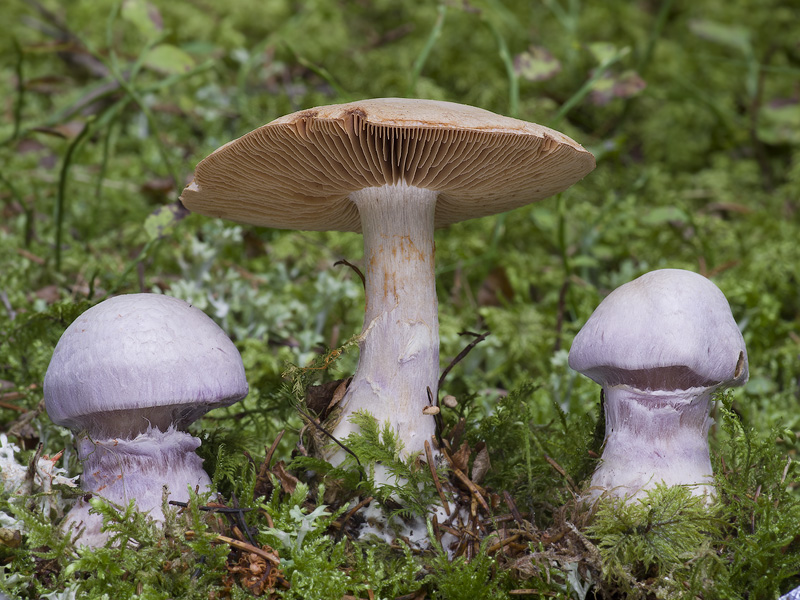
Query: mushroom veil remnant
{"points": [[393, 169], [127, 377], [659, 345]]}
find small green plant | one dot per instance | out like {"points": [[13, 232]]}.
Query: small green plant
{"points": [[667, 535], [462, 579], [541, 450], [405, 486], [141, 557]]}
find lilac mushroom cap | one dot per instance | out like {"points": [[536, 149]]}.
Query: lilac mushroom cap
{"points": [[659, 346], [141, 360], [127, 376], [668, 329]]}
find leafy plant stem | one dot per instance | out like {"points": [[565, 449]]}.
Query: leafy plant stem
{"points": [[19, 101], [422, 58], [511, 73], [655, 34], [137, 98], [62, 189], [584, 90], [132, 264], [98, 191]]}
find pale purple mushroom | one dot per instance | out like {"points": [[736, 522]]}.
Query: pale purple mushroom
{"points": [[659, 346], [128, 376]]}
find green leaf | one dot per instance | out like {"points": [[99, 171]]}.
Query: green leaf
{"points": [[169, 60], [605, 52], [616, 85], [537, 64], [719, 33], [663, 215], [142, 15], [163, 220]]}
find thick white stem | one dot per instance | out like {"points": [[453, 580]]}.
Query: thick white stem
{"points": [[652, 437], [121, 470], [399, 357]]}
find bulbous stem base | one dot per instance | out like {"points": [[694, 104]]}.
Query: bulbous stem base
{"points": [[137, 469], [654, 436]]}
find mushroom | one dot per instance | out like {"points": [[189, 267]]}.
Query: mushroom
{"points": [[659, 345], [128, 376], [393, 169]]}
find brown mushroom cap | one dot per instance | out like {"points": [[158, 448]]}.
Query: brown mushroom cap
{"points": [[298, 171]]}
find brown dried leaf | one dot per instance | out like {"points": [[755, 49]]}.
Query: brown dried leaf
{"points": [[288, 481], [461, 457], [319, 398], [481, 465], [338, 394]]}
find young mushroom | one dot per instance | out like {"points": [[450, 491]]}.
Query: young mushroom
{"points": [[128, 376], [393, 169], [659, 345]]}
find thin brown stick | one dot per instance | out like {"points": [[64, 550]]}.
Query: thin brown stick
{"points": [[723, 267], [330, 435], [437, 531], [783, 477], [352, 266], [462, 354], [268, 517], [556, 538], [495, 547], [451, 530], [562, 472], [271, 451], [513, 508], [30, 256], [10, 406], [504, 518], [243, 546], [435, 475], [351, 512], [524, 533], [476, 491]]}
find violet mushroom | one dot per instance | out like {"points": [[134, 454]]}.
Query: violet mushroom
{"points": [[659, 345], [393, 169], [128, 376]]}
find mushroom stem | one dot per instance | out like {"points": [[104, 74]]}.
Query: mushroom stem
{"points": [[121, 470], [655, 436], [400, 341]]}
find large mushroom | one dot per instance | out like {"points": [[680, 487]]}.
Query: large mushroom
{"points": [[128, 376], [659, 345], [393, 169]]}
